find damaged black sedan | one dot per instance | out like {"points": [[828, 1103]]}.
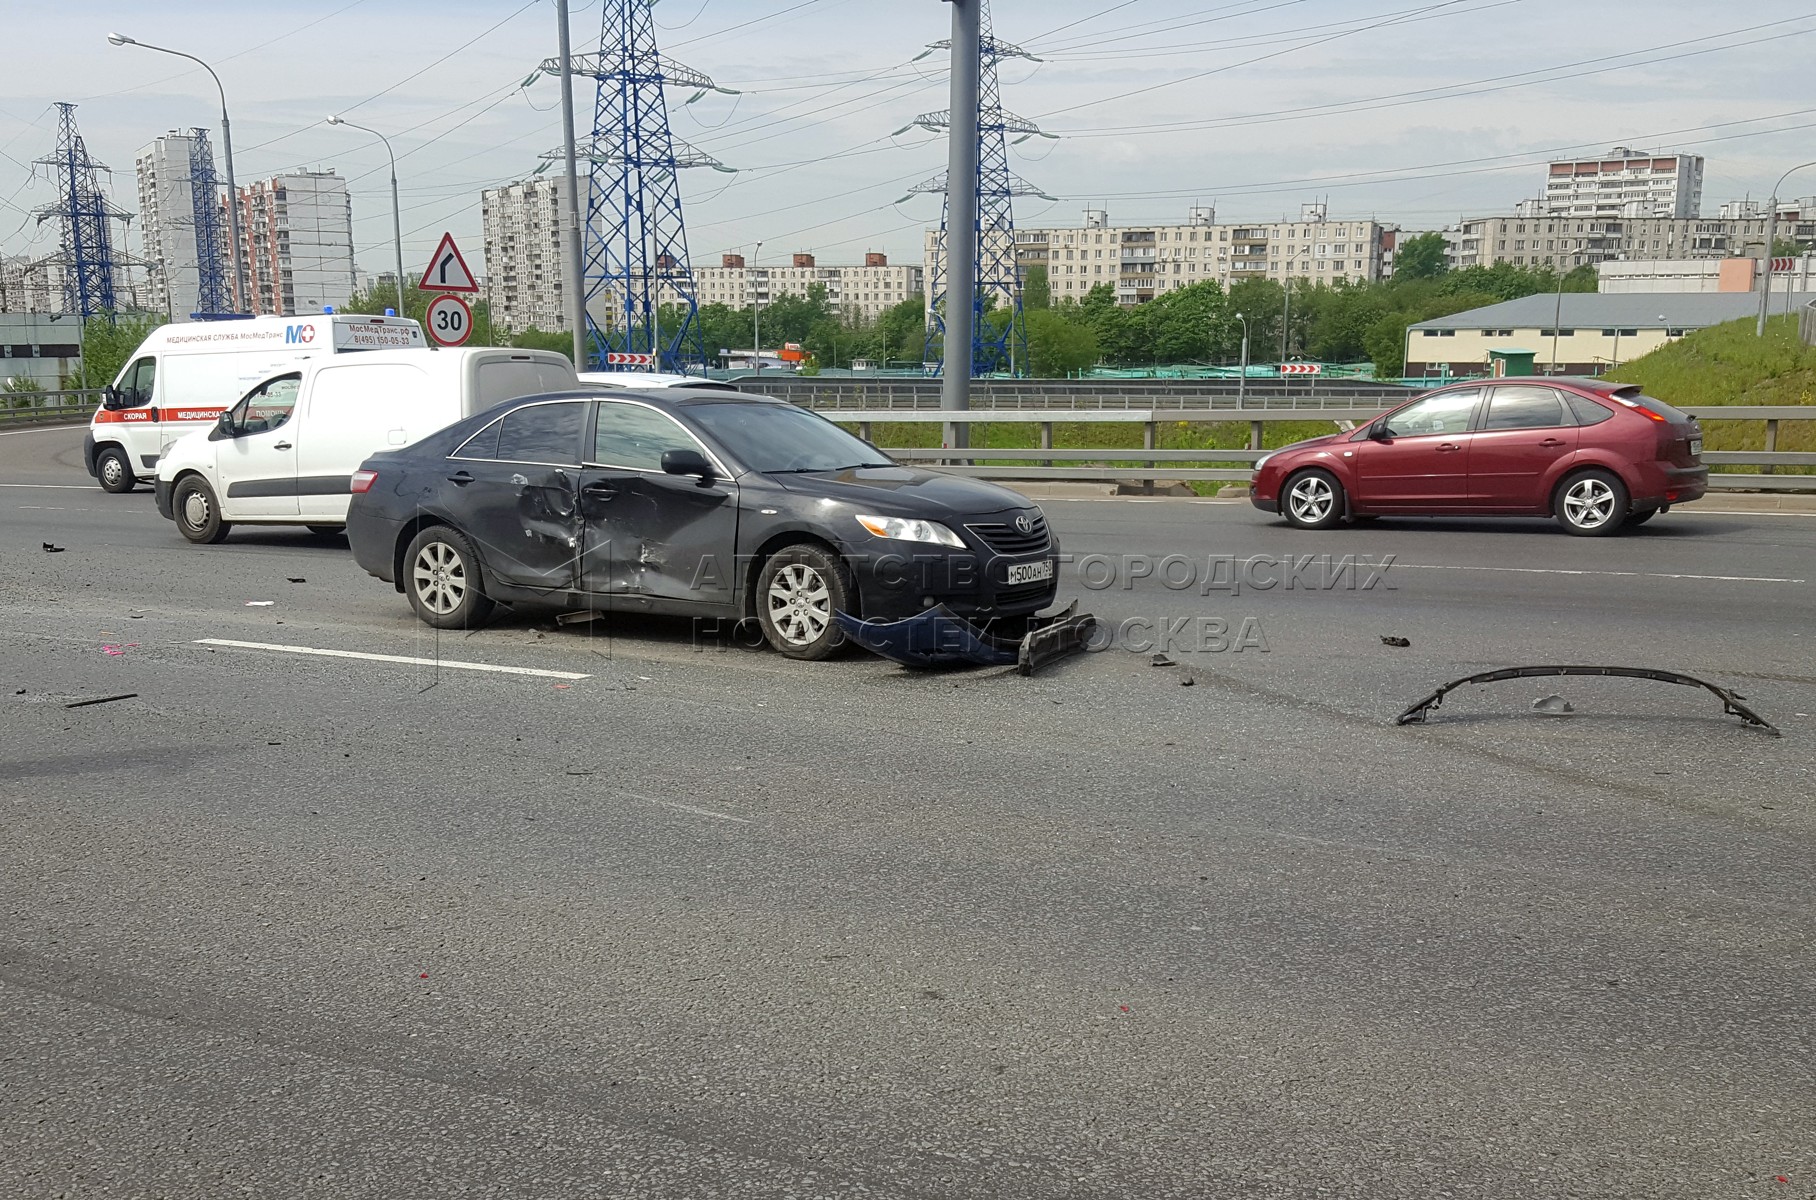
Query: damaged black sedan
{"points": [[706, 505]]}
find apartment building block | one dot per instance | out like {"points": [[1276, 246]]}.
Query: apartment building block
{"points": [[297, 229]]}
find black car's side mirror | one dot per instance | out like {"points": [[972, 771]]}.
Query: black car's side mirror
{"points": [[110, 397], [687, 462], [1378, 431], [223, 426]]}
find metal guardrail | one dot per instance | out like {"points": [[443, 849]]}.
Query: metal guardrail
{"points": [[48, 406], [845, 393], [1148, 462]]}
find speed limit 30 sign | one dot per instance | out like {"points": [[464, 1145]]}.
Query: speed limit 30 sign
{"points": [[450, 321]]}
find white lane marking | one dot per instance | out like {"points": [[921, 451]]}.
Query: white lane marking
{"points": [[704, 812], [1612, 574], [80, 487], [391, 658], [42, 429]]}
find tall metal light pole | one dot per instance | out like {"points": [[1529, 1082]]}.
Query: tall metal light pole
{"points": [[756, 310], [397, 227], [1242, 380], [242, 292], [573, 269], [1765, 291], [1286, 316], [961, 205]]}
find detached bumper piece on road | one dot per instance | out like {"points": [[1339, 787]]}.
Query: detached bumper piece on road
{"points": [[1730, 700], [940, 637]]}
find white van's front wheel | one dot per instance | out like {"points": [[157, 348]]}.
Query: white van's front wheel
{"points": [[197, 511], [114, 471]]}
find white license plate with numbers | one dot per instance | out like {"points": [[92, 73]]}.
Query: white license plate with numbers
{"points": [[1695, 446], [1033, 572]]}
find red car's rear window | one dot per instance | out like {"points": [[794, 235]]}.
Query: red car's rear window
{"points": [[1652, 404]]}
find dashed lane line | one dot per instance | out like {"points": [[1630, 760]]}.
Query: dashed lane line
{"points": [[406, 660]]}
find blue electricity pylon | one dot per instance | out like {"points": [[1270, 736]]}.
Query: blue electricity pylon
{"points": [[213, 296], [999, 276], [634, 245], [85, 247]]}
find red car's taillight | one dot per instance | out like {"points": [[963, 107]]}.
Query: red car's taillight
{"points": [[1641, 409], [363, 481]]}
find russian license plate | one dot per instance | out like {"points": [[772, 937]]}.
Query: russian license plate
{"points": [[1032, 572], [1695, 446]]}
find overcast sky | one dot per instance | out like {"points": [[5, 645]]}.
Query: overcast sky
{"points": [[1412, 111]]}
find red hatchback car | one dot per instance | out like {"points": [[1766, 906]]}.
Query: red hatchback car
{"points": [[1595, 455]]}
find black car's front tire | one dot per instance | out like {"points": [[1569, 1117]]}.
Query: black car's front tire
{"points": [[1312, 500], [798, 591], [441, 578]]}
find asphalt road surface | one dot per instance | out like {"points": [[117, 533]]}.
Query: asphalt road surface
{"points": [[708, 923]]}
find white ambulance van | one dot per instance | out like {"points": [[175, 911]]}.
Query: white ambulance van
{"points": [[185, 376], [285, 453]]}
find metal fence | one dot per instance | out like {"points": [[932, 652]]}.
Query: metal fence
{"points": [[1308, 392], [27, 407], [1148, 463]]}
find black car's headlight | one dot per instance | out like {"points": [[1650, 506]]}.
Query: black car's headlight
{"points": [[909, 529]]}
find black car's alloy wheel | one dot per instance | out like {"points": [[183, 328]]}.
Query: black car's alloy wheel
{"points": [[798, 590], [441, 578], [198, 511]]}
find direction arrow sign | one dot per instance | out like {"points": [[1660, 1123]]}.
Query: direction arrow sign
{"points": [[1300, 369], [448, 271], [616, 359]]}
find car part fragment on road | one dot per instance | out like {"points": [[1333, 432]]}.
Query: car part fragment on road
{"points": [[1552, 706], [100, 700], [940, 637], [1730, 700], [51, 549], [1395, 641]]}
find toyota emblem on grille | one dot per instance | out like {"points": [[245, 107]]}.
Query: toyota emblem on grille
{"points": [[1024, 524]]}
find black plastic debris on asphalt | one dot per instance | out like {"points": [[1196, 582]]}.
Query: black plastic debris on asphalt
{"points": [[1731, 701], [1388, 640], [50, 548], [100, 700], [940, 637]]}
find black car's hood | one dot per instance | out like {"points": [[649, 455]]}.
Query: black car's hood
{"points": [[906, 491]]}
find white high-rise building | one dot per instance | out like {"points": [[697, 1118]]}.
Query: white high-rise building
{"points": [[523, 226], [298, 231], [1624, 183], [863, 292], [1145, 260], [167, 224]]}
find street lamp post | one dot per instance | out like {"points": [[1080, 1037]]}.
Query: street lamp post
{"points": [[242, 293], [1765, 291], [397, 228], [1242, 379], [756, 310], [1286, 316]]}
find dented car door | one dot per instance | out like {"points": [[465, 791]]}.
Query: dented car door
{"points": [[666, 540]]}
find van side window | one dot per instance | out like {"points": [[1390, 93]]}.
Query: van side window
{"points": [[269, 405], [136, 384]]}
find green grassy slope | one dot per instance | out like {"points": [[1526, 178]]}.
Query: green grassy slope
{"points": [[1729, 364]]}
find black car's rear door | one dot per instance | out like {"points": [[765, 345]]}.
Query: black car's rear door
{"points": [[670, 540], [512, 488]]}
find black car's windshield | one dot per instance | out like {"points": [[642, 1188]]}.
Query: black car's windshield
{"points": [[780, 438]]}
